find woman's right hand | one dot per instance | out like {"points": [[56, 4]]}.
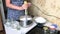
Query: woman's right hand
{"points": [[25, 6]]}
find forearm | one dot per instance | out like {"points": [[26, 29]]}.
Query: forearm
{"points": [[15, 7], [9, 5]]}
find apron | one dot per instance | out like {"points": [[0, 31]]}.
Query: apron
{"points": [[15, 14]]}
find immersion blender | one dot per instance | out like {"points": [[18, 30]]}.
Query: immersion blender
{"points": [[25, 2]]}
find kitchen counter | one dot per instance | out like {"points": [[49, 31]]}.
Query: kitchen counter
{"points": [[10, 30], [22, 30]]}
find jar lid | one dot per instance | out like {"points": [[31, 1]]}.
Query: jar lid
{"points": [[25, 19]]}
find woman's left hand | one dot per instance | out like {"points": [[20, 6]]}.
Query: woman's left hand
{"points": [[29, 4]]}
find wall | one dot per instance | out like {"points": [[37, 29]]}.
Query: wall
{"points": [[49, 9]]}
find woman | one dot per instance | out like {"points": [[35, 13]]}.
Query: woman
{"points": [[15, 9]]}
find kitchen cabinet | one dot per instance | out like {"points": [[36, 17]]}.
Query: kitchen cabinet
{"points": [[1, 26], [2, 30]]}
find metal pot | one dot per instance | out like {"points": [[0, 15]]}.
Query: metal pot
{"points": [[24, 22]]}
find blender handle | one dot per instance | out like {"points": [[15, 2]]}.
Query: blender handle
{"points": [[25, 2]]}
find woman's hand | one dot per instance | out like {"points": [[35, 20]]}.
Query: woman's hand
{"points": [[25, 6], [29, 4]]}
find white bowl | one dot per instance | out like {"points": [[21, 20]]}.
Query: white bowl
{"points": [[40, 20]]}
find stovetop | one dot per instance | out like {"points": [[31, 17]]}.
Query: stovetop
{"points": [[38, 30]]}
